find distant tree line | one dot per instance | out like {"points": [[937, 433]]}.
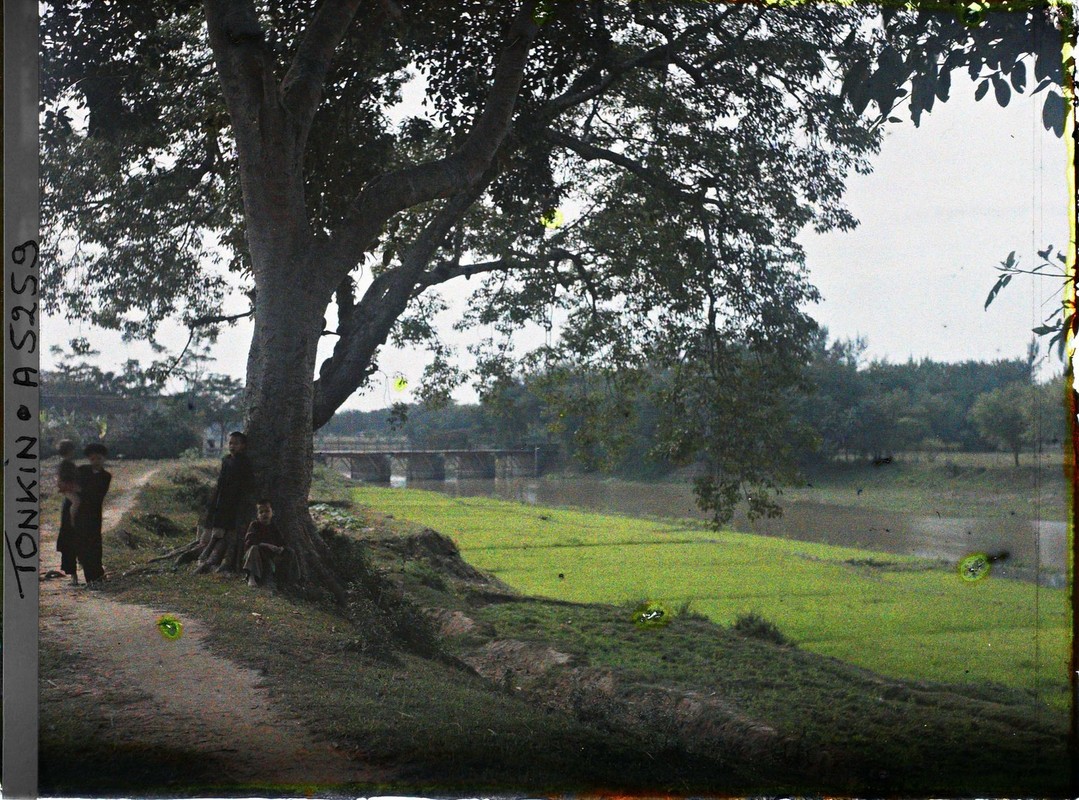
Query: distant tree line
{"points": [[875, 410], [130, 410], [844, 408]]}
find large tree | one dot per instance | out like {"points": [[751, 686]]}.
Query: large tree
{"points": [[1005, 417], [697, 138]]}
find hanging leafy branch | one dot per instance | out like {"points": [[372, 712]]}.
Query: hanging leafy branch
{"points": [[1057, 324]]}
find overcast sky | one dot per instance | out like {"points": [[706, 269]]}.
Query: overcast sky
{"points": [[945, 203]]}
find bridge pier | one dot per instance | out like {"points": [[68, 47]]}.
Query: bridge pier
{"points": [[463, 466], [424, 467], [377, 466], [515, 465], [369, 468]]}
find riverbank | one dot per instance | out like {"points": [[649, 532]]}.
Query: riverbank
{"points": [[897, 615], [439, 680], [939, 510], [961, 485], [978, 485]]}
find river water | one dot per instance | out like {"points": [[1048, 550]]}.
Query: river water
{"points": [[1036, 548]]}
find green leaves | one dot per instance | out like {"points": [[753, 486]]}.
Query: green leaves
{"points": [[1053, 113], [1009, 268], [1019, 77], [1000, 88], [932, 45], [1002, 281], [1060, 332], [972, 14], [1004, 416]]}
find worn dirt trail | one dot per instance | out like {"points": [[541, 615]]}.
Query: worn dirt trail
{"points": [[179, 693]]}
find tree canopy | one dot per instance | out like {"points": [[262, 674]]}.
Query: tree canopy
{"points": [[696, 139], [697, 132], [1004, 416]]}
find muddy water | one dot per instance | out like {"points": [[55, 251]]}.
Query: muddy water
{"points": [[1036, 548]]}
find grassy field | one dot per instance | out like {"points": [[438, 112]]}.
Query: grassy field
{"points": [[439, 727], [892, 614], [408, 703], [983, 485]]}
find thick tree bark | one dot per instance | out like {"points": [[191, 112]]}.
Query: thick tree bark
{"points": [[295, 273], [288, 323]]}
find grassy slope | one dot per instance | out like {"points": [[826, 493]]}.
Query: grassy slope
{"points": [[450, 731], [983, 485], [909, 618], [441, 728]]}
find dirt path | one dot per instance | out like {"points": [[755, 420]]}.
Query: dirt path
{"points": [[178, 693]]}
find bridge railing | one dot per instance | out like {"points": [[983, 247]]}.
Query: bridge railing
{"points": [[352, 444], [356, 444]]}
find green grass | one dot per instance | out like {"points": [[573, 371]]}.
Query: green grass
{"points": [[906, 739], [440, 726], [843, 729], [983, 485], [904, 617], [437, 725]]}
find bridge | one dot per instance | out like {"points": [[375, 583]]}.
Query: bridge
{"points": [[377, 465]]}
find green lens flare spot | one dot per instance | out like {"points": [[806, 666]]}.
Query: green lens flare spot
{"points": [[170, 627], [543, 12], [400, 383], [974, 567], [553, 218], [972, 14], [652, 614]]}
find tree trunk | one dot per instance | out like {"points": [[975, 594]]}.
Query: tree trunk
{"points": [[278, 423], [1016, 454]]}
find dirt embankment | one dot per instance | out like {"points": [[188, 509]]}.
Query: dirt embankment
{"points": [[696, 722]]}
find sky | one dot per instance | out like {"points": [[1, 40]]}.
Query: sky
{"points": [[946, 202]]}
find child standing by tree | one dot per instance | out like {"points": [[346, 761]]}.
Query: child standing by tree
{"points": [[94, 484], [262, 545], [67, 483], [219, 530]]}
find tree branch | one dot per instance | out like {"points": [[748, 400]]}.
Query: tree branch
{"points": [[346, 300], [574, 96], [448, 270], [591, 152], [213, 319], [301, 88], [267, 144], [661, 55], [239, 46], [445, 177], [385, 300]]}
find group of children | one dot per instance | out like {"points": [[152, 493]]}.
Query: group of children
{"points": [[83, 488], [262, 545]]}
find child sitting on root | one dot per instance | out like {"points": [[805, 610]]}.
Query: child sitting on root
{"points": [[262, 547]]}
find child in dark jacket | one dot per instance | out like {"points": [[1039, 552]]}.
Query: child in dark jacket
{"points": [[219, 530], [94, 484], [67, 484], [262, 547]]}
